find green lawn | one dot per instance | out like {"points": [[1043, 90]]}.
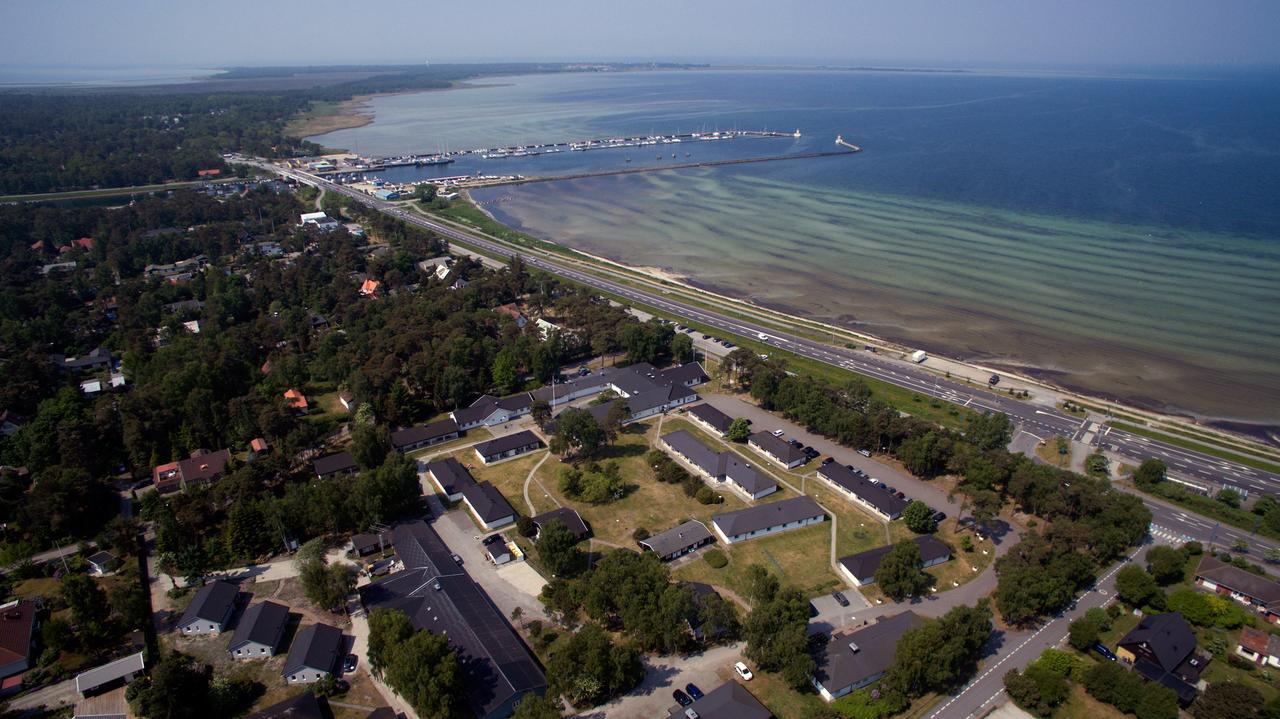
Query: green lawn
{"points": [[507, 476], [798, 557], [1080, 705]]}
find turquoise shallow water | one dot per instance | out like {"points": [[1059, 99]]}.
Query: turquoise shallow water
{"points": [[1095, 231]]}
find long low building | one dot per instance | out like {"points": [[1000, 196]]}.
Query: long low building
{"points": [[766, 519], [438, 595], [721, 468], [777, 449], [490, 509], [426, 435], [679, 540], [508, 446], [1260, 593], [862, 491], [711, 418], [855, 659], [860, 569]]}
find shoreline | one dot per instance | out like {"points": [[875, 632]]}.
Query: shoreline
{"points": [[358, 112], [1047, 377]]}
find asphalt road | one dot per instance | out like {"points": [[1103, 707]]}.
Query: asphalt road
{"points": [[1037, 420]]}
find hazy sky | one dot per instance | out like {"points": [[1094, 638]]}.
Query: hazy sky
{"points": [[1038, 33]]}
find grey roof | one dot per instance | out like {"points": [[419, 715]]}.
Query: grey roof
{"points": [[103, 557], [839, 666], [496, 664], [1265, 591], [303, 706], [330, 464], [507, 443], [476, 412], [702, 456], [592, 381], [487, 502], [863, 565], [764, 516], [316, 647], [712, 416], [1168, 637], [730, 700], [570, 518], [262, 623], [777, 446], [516, 402], [109, 672], [689, 373], [870, 492], [212, 603], [752, 480], [450, 473], [423, 433], [681, 536], [719, 464]]}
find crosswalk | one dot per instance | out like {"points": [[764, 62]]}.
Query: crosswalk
{"points": [[1166, 534]]}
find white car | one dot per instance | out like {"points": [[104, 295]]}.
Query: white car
{"points": [[776, 433], [742, 671]]}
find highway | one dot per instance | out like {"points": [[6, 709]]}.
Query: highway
{"points": [[1039, 421]]}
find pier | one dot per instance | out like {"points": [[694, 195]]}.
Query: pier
{"points": [[843, 143]]}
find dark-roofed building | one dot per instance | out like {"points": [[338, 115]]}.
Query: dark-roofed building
{"points": [[439, 595], [506, 447], [489, 410], [98, 358], [101, 562], [860, 568], [259, 632], [713, 419], [366, 544], [689, 374], [1162, 648], [721, 468], [314, 654], [487, 505], [210, 610], [1261, 593], [411, 438], [862, 490], [111, 674], [450, 477], [766, 519], [777, 449], [855, 659], [730, 700], [679, 540], [567, 516], [18, 625], [203, 466], [303, 706], [703, 594], [332, 465], [497, 549]]}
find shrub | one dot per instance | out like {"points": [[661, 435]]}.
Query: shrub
{"points": [[526, 527], [705, 496], [640, 534], [1193, 549], [715, 558]]}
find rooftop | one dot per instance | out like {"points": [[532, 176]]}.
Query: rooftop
{"points": [[1219, 572], [854, 657], [332, 463], [764, 516], [109, 672], [863, 565], [567, 516], [316, 647], [712, 416], [870, 492], [507, 443], [423, 433], [451, 474], [777, 446], [678, 537], [17, 622], [211, 603], [262, 623], [730, 700]]}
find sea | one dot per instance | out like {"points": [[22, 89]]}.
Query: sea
{"points": [[1116, 234]]}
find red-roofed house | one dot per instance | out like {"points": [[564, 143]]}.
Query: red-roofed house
{"points": [[202, 466], [514, 313], [296, 399], [84, 243], [266, 367], [208, 173], [258, 447], [17, 629], [370, 288], [166, 477], [37, 246]]}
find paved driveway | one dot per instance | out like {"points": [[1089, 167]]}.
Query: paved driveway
{"points": [[662, 675], [53, 696], [508, 587]]}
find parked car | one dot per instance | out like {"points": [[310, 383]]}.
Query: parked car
{"points": [[899, 495], [995, 380], [840, 599], [349, 664], [794, 443], [827, 461], [864, 453], [1101, 648], [776, 433], [882, 485], [691, 713], [729, 344], [939, 516], [743, 671], [681, 698], [693, 690], [706, 337]]}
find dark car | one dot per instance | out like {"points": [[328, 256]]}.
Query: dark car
{"points": [[995, 380], [349, 664], [827, 461], [840, 599], [681, 698], [706, 337], [1101, 648], [794, 443], [693, 690], [900, 495], [729, 344], [939, 516]]}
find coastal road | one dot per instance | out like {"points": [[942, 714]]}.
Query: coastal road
{"points": [[1037, 420]]}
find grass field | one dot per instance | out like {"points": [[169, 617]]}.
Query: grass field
{"points": [[1080, 705], [798, 557], [507, 476]]}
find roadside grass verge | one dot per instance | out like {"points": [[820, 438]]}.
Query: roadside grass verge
{"points": [[1194, 446]]}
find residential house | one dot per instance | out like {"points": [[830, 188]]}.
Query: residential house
{"points": [[332, 465], [545, 328], [487, 505], [98, 358], [765, 519], [369, 288], [777, 449], [259, 632], [853, 660], [438, 595], [679, 540], [211, 609], [1251, 590], [450, 477], [112, 674], [1162, 648], [366, 544], [10, 422], [91, 386], [508, 446], [497, 549], [510, 310], [1262, 648], [438, 266], [860, 569], [712, 419], [720, 468], [570, 518], [296, 400], [201, 467], [314, 654], [730, 700], [108, 705], [702, 594], [258, 447], [101, 562], [18, 625], [347, 400], [411, 438], [859, 488], [488, 411]]}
